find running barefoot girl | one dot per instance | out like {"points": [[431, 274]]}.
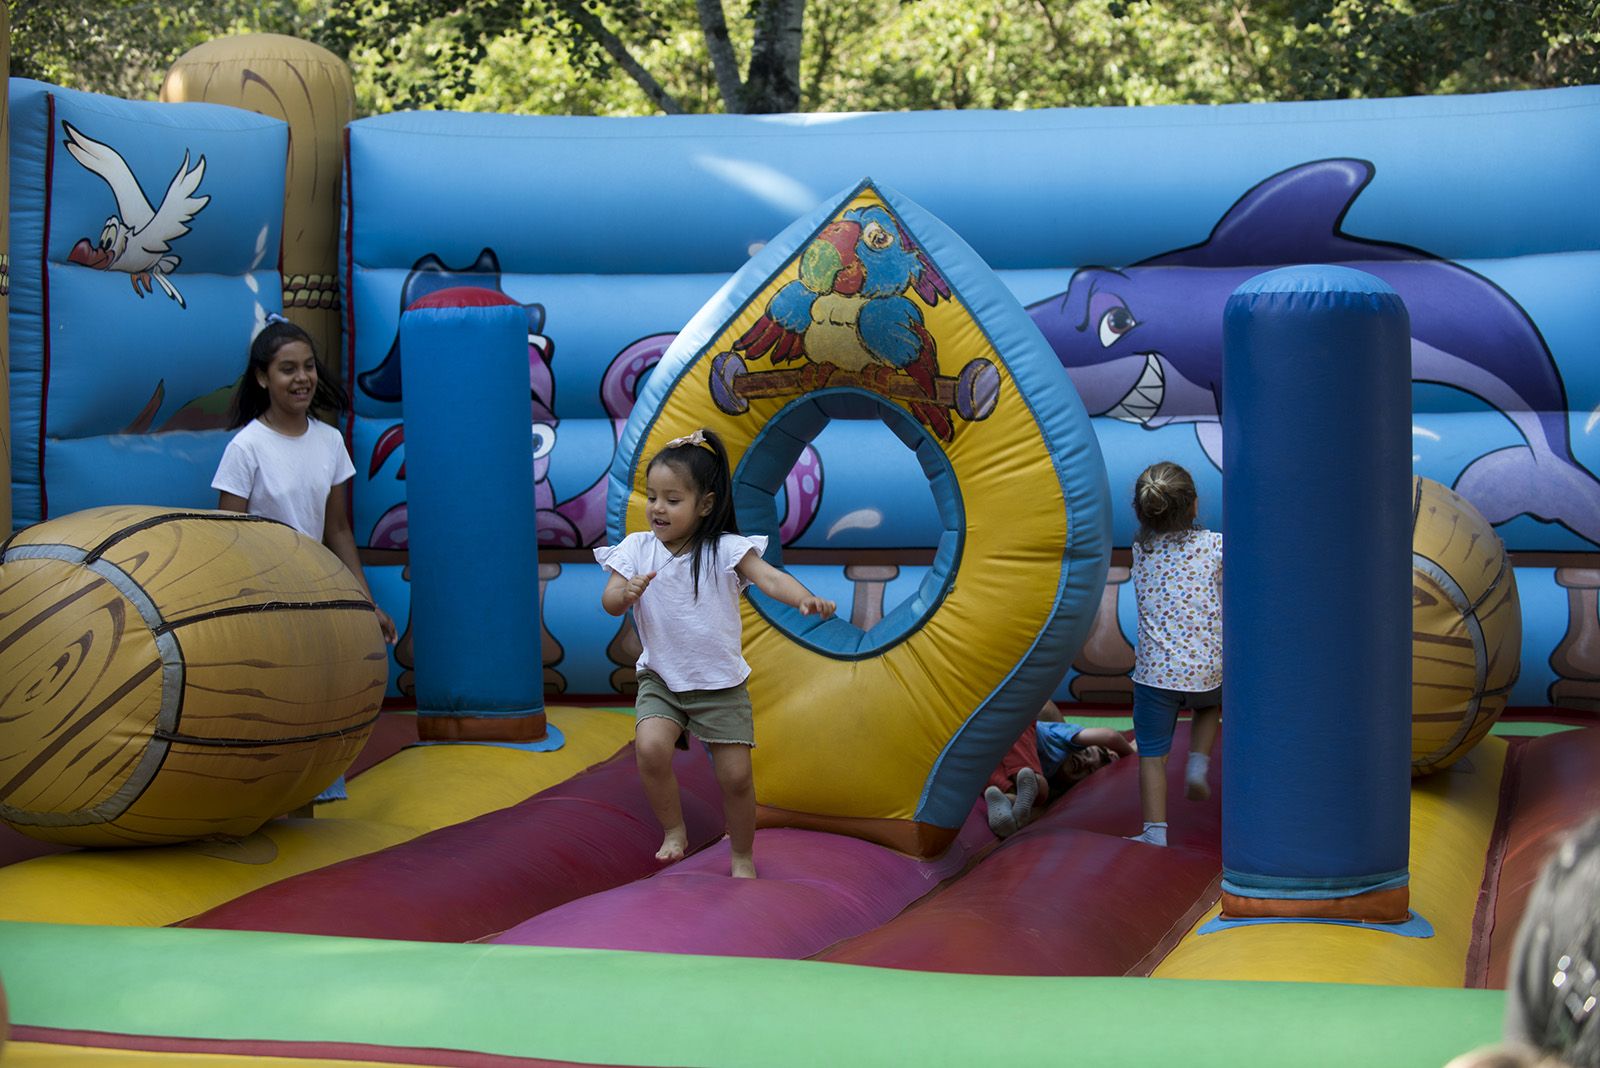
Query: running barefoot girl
{"points": [[682, 578]]}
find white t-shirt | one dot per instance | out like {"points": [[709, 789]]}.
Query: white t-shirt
{"points": [[692, 644], [282, 477], [1177, 582]]}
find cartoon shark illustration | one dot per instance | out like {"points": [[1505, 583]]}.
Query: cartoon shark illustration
{"points": [[1143, 343], [138, 239]]}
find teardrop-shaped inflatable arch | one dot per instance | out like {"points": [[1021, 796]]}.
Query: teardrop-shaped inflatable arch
{"points": [[870, 307]]}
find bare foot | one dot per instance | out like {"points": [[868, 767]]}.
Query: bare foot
{"points": [[744, 866], [674, 845]]}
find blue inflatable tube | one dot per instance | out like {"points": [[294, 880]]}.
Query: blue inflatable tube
{"points": [[474, 556], [1317, 596]]}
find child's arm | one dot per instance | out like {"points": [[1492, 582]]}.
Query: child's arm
{"points": [[620, 593], [231, 502], [782, 586], [336, 535], [1113, 740]]}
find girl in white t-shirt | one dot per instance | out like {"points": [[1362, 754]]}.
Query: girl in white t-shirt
{"points": [[1177, 582], [683, 578], [284, 463]]}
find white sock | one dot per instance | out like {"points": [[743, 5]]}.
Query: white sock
{"points": [[1199, 764], [1155, 833]]}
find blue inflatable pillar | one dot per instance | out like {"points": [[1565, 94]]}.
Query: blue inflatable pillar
{"points": [[472, 535], [1317, 597]]}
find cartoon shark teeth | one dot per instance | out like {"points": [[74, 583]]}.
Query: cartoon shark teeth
{"points": [[1144, 399]]}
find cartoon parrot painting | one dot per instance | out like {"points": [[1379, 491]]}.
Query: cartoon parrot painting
{"points": [[849, 311], [138, 238]]}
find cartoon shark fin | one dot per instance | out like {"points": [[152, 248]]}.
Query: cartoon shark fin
{"points": [[1292, 217]]}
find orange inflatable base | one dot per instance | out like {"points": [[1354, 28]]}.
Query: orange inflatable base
{"points": [[1375, 906]]}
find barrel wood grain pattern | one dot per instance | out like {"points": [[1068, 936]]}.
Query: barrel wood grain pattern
{"points": [[174, 675], [1466, 627]]}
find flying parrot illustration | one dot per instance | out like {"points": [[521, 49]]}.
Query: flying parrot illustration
{"points": [[138, 239], [848, 310]]}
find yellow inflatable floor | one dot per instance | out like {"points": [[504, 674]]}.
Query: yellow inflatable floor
{"points": [[1452, 818], [417, 790]]}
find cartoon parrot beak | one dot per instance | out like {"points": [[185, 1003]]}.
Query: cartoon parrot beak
{"points": [[89, 255]]}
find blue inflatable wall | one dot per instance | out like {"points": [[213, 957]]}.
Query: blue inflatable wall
{"points": [[145, 242], [613, 232], [1121, 230]]}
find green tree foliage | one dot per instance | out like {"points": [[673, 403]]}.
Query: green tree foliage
{"points": [[652, 56]]}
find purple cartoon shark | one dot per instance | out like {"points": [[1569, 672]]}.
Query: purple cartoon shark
{"points": [[1144, 343]]}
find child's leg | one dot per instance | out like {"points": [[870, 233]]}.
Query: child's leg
{"points": [[1202, 734], [732, 764], [654, 740], [1155, 716]]}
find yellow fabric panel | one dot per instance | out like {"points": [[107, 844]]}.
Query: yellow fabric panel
{"points": [[859, 738], [49, 1055], [1452, 819], [416, 791]]}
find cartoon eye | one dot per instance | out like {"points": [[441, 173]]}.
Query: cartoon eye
{"points": [[107, 235], [876, 236], [1115, 322], [544, 439]]}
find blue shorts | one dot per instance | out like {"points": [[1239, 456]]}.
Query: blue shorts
{"points": [[1155, 715]]}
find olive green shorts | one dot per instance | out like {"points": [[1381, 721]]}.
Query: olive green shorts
{"points": [[716, 717]]}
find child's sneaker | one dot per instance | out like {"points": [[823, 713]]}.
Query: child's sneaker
{"points": [[1001, 820]]}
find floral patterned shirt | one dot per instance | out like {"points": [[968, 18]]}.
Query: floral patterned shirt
{"points": [[1177, 582]]}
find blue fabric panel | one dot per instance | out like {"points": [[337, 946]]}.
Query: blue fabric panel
{"points": [[172, 469], [113, 357], [101, 389], [1317, 601], [750, 176], [474, 560]]}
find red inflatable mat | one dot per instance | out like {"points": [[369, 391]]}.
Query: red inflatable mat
{"points": [[462, 883], [1551, 784], [1067, 895]]}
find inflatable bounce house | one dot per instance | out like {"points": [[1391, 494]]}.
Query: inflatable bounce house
{"points": [[939, 348]]}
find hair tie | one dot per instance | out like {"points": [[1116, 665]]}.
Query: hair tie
{"points": [[697, 438], [274, 317]]}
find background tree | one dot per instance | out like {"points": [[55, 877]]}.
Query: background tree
{"points": [[652, 56]]}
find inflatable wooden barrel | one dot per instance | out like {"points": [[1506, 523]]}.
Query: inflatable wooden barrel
{"points": [[174, 675], [1466, 627]]}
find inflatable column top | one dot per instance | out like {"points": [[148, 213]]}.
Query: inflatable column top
{"points": [[145, 242]]}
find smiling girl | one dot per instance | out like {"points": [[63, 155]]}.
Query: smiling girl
{"points": [[683, 578], [284, 463]]}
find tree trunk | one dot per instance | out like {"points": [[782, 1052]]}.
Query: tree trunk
{"points": [[714, 24], [773, 82]]}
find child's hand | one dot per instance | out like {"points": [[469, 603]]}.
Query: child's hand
{"points": [[815, 606], [386, 625], [635, 588]]}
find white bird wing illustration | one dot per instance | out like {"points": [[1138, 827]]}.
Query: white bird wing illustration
{"points": [[132, 207], [171, 220]]}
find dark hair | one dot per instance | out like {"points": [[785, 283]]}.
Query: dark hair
{"points": [[1163, 500], [250, 396], [706, 468], [1555, 964]]}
